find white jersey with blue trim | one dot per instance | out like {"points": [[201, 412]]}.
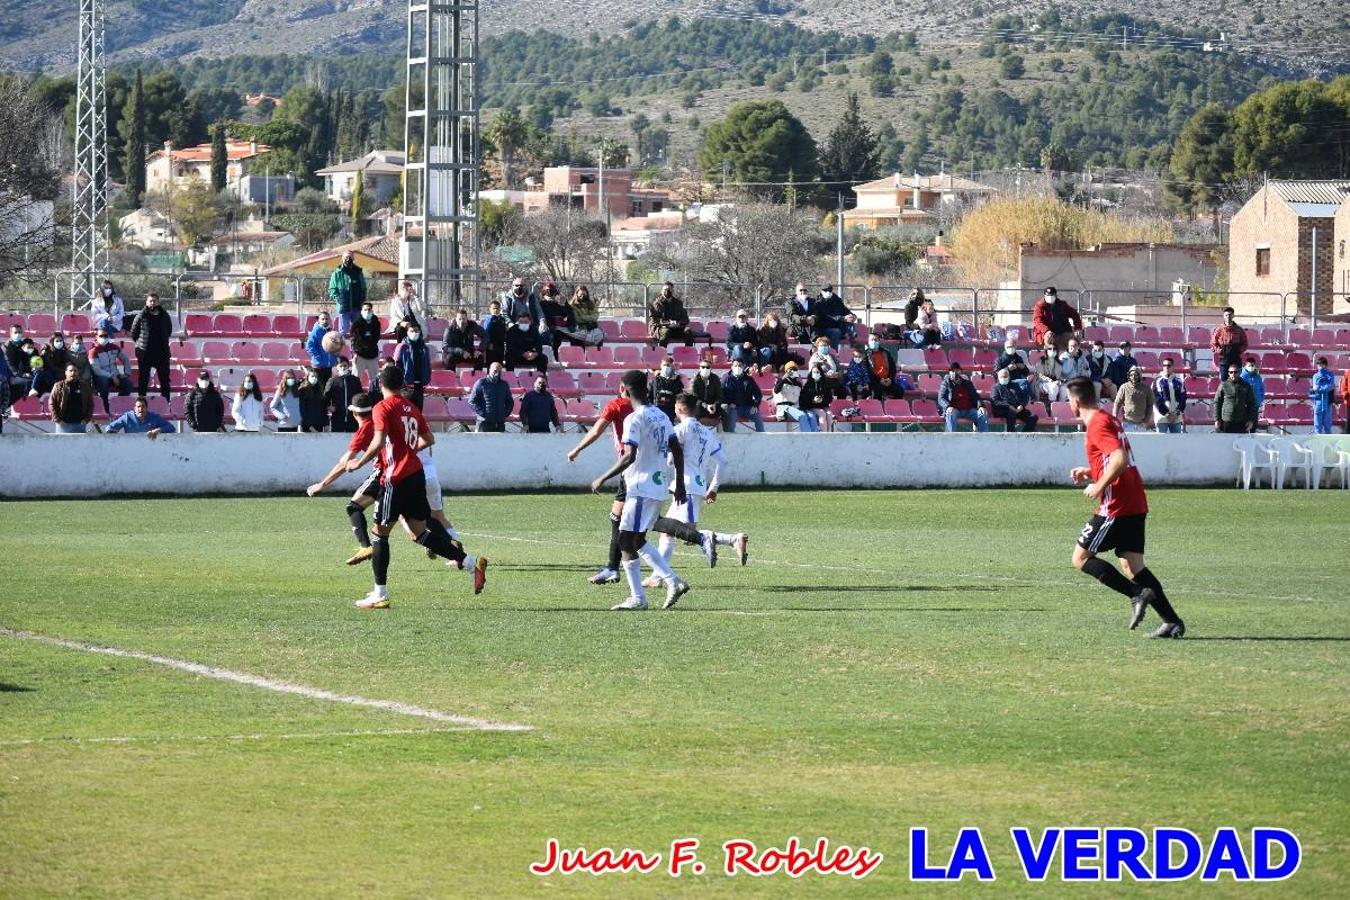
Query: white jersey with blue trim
{"points": [[649, 431], [701, 450]]}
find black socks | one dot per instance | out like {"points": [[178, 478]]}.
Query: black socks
{"points": [[1107, 574], [677, 529], [379, 560], [357, 516], [613, 543], [1146, 579], [439, 542]]}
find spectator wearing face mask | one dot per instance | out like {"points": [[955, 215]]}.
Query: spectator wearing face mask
{"points": [[17, 361], [1012, 402], [524, 348], [1057, 318], [958, 399], [1251, 374], [365, 337], [1134, 401], [1118, 370], [829, 364], [521, 301], [463, 339], [339, 394], [151, 330], [72, 403], [773, 340], [743, 343], [1169, 400], [666, 385], [707, 390], [857, 378], [30, 367], [800, 321], [1019, 368], [538, 409], [1322, 393], [667, 319], [78, 355], [1050, 374], [313, 403], [1074, 363], [1097, 363], [285, 405], [406, 310], [204, 408], [347, 291], [5, 391], [1234, 404], [834, 320], [883, 375], [491, 400], [414, 359], [109, 308], [741, 396], [816, 393], [787, 396], [247, 409], [321, 362], [55, 358], [110, 367], [495, 325]]}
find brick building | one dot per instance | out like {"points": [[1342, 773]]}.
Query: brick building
{"points": [[579, 188], [1284, 241]]}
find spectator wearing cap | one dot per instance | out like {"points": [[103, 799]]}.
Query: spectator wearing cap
{"points": [[741, 396], [773, 339], [110, 367], [520, 301], [491, 400], [958, 399], [1322, 393], [72, 403], [1011, 402], [141, 421], [1118, 371], [1234, 404], [743, 343], [1134, 401], [338, 395], [707, 390], [787, 394], [667, 319], [666, 385], [1169, 400], [834, 320], [538, 409], [1251, 373], [204, 408], [1228, 343], [882, 372], [1057, 317]]}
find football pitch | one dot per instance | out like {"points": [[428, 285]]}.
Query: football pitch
{"points": [[888, 660]]}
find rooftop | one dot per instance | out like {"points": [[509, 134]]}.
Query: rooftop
{"points": [[944, 182], [1320, 192]]}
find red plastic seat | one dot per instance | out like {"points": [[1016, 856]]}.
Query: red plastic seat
{"points": [[1118, 333], [1199, 335], [610, 329], [963, 355], [1062, 413], [1147, 360], [572, 357], [435, 409], [685, 357], [585, 411], [187, 353], [592, 384], [76, 323], [632, 330], [612, 382], [118, 406], [1267, 336], [275, 352], [1171, 336], [227, 325], [628, 356], [1146, 336], [444, 381], [257, 325], [719, 331], [1299, 362], [217, 352], [562, 384], [1274, 361], [460, 411], [246, 351], [600, 357], [1300, 337], [925, 411], [198, 324], [40, 326], [285, 325], [899, 410], [872, 410], [985, 360], [930, 384]]}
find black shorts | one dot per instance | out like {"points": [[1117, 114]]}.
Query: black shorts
{"points": [[1123, 534], [371, 486], [406, 499], [622, 493]]}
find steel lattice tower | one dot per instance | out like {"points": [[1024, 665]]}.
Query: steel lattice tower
{"points": [[442, 245], [89, 241]]}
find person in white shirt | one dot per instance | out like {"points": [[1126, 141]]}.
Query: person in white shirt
{"points": [[248, 409], [647, 437], [405, 308]]}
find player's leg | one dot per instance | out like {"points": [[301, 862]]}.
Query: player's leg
{"points": [[610, 573], [1135, 567], [362, 500], [638, 525], [386, 514], [1099, 535]]}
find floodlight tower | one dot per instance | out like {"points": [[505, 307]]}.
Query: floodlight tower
{"points": [[89, 241], [442, 243]]}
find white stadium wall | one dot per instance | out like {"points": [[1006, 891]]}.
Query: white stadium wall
{"points": [[98, 465]]}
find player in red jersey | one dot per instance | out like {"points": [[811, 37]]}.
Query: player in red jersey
{"points": [[1113, 482], [613, 416], [361, 407], [399, 434]]}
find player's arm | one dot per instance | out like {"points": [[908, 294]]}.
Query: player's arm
{"points": [[425, 438], [677, 457], [333, 475], [719, 465], [1116, 464], [376, 442], [591, 437], [626, 459]]}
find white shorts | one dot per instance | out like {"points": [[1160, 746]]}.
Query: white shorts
{"points": [[433, 486], [639, 514], [688, 511]]}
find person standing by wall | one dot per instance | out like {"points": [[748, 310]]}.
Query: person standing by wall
{"points": [[151, 330]]}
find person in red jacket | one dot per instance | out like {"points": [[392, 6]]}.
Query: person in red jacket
{"points": [[1229, 343], [1052, 315]]}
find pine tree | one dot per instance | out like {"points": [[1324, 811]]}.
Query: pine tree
{"points": [[219, 158], [851, 153], [134, 165]]}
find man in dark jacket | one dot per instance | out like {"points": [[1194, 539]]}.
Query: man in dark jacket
{"points": [[523, 347], [205, 408], [741, 395], [414, 359], [834, 320], [958, 399], [521, 301], [881, 368], [463, 337], [538, 410], [559, 317], [743, 342], [72, 403], [667, 319], [666, 385], [495, 325], [1118, 371], [491, 400], [1011, 402], [338, 395], [1235, 409], [151, 330], [347, 290], [365, 337], [707, 389]]}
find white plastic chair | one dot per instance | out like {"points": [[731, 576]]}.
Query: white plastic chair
{"points": [[1290, 456], [1325, 450], [1254, 455], [1343, 461]]}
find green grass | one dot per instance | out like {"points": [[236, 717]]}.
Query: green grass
{"points": [[888, 660]]}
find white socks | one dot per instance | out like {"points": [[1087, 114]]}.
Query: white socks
{"points": [[632, 570], [657, 562], [724, 540], [666, 547], [469, 562]]}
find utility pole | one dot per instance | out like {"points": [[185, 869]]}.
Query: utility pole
{"points": [[839, 246], [89, 238], [726, 173]]}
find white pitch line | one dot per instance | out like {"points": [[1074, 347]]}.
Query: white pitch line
{"points": [[212, 738], [269, 684]]}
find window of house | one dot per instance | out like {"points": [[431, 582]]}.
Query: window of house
{"points": [[1263, 261]]}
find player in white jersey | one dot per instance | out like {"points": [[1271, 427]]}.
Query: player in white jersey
{"points": [[436, 502], [647, 437]]}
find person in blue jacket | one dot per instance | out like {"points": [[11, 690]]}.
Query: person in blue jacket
{"points": [[741, 395], [414, 359], [321, 362], [1323, 395], [141, 421], [1252, 375]]}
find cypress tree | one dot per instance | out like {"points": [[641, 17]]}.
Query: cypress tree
{"points": [[219, 158], [134, 164]]}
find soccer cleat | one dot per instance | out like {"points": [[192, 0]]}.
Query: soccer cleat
{"points": [[372, 601], [361, 555], [431, 554], [674, 591], [479, 574], [1139, 605], [651, 581], [742, 544], [1170, 630], [604, 576], [708, 544], [631, 603]]}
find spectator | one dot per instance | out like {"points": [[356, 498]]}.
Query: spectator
{"points": [[912, 305], [741, 398], [816, 393], [151, 330], [339, 394], [743, 343], [31, 368], [285, 405], [559, 317], [773, 338], [787, 395], [321, 362], [1011, 402], [1134, 401], [587, 314], [1118, 371], [857, 377], [205, 407], [884, 377], [406, 310], [667, 319], [834, 320], [247, 409], [538, 409], [799, 317], [1056, 317], [519, 302], [829, 363], [1097, 361], [1234, 405], [414, 359], [1169, 400], [1049, 374], [72, 403], [110, 367], [347, 291], [666, 385], [491, 400], [927, 329], [1252, 375], [524, 349], [5, 391], [78, 355], [313, 403], [108, 307], [1019, 369], [463, 339], [495, 325], [1228, 343], [141, 421], [707, 390], [958, 399], [18, 362], [1322, 393], [1074, 363], [54, 362], [365, 337]]}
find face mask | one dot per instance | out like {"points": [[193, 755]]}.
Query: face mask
{"points": [[736, 371], [540, 387], [313, 379], [103, 342], [1099, 353], [872, 345], [290, 382], [367, 315], [826, 294], [203, 383], [495, 376], [524, 326], [16, 337], [1252, 369], [250, 384], [343, 371], [801, 295], [1004, 380], [107, 292], [414, 335], [823, 351], [58, 344], [772, 323], [815, 376], [667, 371]]}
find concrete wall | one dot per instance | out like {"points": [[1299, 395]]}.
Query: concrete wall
{"points": [[92, 465], [1120, 273]]}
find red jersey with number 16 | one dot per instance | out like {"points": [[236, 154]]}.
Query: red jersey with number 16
{"points": [[1125, 496], [401, 423]]}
